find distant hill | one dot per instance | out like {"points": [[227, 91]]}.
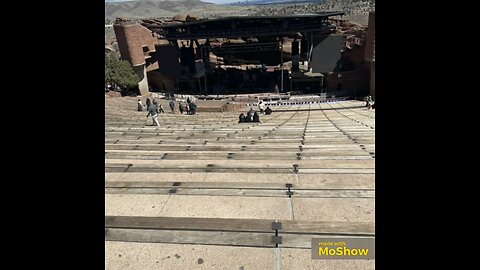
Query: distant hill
{"points": [[355, 10], [269, 2], [158, 8]]}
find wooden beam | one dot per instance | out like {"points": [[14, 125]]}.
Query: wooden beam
{"points": [[187, 223], [191, 237], [200, 185], [240, 225]]}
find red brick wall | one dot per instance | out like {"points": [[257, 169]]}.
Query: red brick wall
{"points": [[131, 39]]}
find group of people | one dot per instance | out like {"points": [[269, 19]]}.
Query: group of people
{"points": [[251, 116], [148, 102], [154, 108], [262, 109], [190, 107], [369, 102]]}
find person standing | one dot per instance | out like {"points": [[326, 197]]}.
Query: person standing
{"points": [[368, 100], [148, 102], [180, 107], [155, 103], [159, 106], [193, 108], [152, 110], [172, 105]]}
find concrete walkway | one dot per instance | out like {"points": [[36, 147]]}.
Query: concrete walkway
{"points": [[313, 167]]}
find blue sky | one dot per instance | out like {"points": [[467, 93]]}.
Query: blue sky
{"points": [[211, 1]]}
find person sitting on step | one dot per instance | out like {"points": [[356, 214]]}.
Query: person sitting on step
{"points": [[250, 115], [256, 117], [261, 107], [139, 105], [241, 118], [268, 111]]}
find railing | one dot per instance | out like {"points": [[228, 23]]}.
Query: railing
{"points": [[300, 102]]}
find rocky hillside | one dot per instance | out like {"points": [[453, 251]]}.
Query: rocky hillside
{"points": [[159, 8], [355, 10]]}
